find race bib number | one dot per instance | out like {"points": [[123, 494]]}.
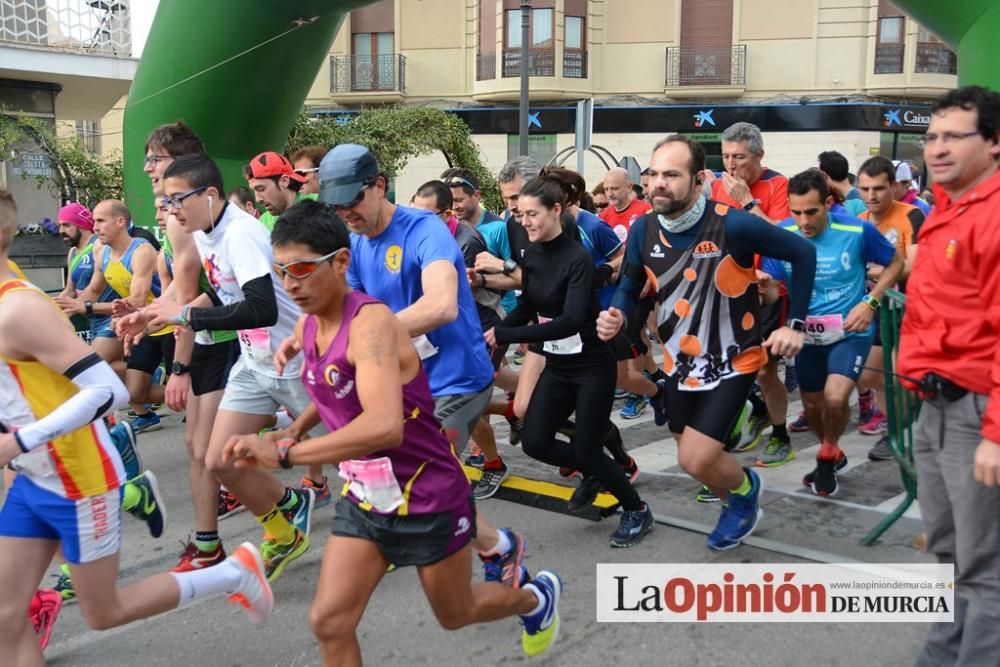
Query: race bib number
{"points": [[425, 348], [373, 482], [824, 329], [570, 345], [257, 343]]}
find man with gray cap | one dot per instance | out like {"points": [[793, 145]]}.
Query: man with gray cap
{"points": [[406, 258]]}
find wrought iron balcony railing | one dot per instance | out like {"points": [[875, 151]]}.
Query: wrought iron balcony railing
{"points": [[889, 58], [575, 64], [706, 65], [486, 66], [541, 62], [352, 74], [935, 58]]}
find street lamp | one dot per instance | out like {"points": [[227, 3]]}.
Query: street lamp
{"points": [[525, 36]]}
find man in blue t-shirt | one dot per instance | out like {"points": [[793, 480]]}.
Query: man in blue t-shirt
{"points": [[407, 259], [840, 323]]}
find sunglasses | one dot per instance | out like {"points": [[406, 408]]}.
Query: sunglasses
{"points": [[600, 207], [458, 180], [303, 268], [177, 201], [357, 200], [304, 172]]}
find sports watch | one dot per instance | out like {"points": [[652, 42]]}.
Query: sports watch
{"points": [[509, 266], [284, 448], [796, 324], [750, 206], [178, 368]]}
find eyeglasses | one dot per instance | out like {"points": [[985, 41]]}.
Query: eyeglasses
{"points": [[946, 137], [600, 207], [177, 201], [303, 172], [303, 268], [153, 160], [357, 200]]}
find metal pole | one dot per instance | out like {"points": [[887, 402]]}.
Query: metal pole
{"points": [[525, 36]]}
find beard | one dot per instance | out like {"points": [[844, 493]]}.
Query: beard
{"points": [[71, 239], [672, 205]]}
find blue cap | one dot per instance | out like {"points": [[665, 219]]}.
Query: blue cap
{"points": [[343, 172]]}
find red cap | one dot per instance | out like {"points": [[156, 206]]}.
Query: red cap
{"points": [[269, 164]]}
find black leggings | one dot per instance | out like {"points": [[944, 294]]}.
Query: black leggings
{"points": [[587, 389]]}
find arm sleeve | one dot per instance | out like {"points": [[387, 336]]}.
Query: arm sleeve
{"points": [[259, 308], [874, 247], [579, 292], [632, 274], [100, 392]]}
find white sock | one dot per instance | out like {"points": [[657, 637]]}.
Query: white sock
{"points": [[503, 545], [222, 578], [541, 599]]}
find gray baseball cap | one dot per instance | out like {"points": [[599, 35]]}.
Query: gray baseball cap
{"points": [[343, 172]]}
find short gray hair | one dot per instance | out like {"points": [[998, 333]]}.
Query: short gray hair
{"points": [[748, 132], [523, 166]]}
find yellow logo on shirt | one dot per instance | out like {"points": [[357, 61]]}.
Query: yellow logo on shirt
{"points": [[950, 249], [393, 258]]}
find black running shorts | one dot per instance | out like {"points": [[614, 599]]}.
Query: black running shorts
{"points": [[150, 352], [210, 366], [712, 412]]}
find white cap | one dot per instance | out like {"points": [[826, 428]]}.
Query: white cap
{"points": [[903, 171]]}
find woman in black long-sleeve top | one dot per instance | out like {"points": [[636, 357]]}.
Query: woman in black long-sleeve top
{"points": [[558, 294]]}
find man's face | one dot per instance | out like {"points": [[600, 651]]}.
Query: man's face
{"points": [[157, 161], [601, 201], [248, 207], [195, 213], [430, 203], [740, 162], [106, 226], [324, 286], [672, 186], [510, 193], [466, 206], [311, 186], [876, 191], [70, 234], [272, 195], [809, 212], [900, 188], [618, 190], [644, 181], [362, 218], [161, 213], [958, 163]]}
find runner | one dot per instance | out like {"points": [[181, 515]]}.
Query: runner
{"points": [[839, 323], [276, 185], [700, 260], [67, 491]]}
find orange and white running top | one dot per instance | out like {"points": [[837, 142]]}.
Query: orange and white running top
{"points": [[77, 465]]}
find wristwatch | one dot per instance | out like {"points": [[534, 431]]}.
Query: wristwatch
{"points": [[482, 279], [796, 324], [88, 308], [284, 448], [871, 301], [749, 206], [178, 368], [509, 266]]}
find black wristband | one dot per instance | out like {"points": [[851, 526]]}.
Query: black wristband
{"points": [[88, 307], [20, 444]]}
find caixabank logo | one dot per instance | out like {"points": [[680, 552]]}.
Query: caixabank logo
{"points": [[775, 593]]}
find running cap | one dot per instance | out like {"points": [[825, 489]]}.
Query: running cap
{"points": [[344, 171], [903, 171], [77, 215], [270, 164]]}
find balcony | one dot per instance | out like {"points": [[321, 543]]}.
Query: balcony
{"points": [[575, 64], [379, 78], [89, 26], [889, 58], [541, 62], [935, 58], [486, 66], [699, 70]]}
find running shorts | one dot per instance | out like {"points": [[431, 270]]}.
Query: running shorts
{"points": [[211, 365], [458, 414], [150, 352], [713, 412], [845, 357]]}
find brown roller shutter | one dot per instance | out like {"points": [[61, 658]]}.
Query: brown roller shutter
{"points": [[575, 7], [487, 26], [886, 8], [378, 17], [706, 22]]}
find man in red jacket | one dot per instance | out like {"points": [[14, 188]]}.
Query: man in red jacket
{"points": [[950, 342]]}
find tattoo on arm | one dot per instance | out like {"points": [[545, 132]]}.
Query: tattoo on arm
{"points": [[375, 345]]}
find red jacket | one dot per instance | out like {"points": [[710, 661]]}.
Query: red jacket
{"points": [[952, 321]]}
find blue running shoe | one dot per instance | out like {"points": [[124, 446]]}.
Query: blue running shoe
{"points": [[634, 406], [159, 375], [123, 435], [149, 507], [739, 518], [146, 423], [505, 568], [632, 527], [659, 403], [300, 514], [542, 627]]}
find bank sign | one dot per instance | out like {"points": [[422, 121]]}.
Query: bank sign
{"points": [[889, 118]]}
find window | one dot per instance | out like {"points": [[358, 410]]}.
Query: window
{"points": [[541, 22], [574, 32], [890, 30], [513, 31], [373, 61], [89, 134]]}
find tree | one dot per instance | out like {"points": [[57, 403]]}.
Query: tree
{"points": [[396, 134]]}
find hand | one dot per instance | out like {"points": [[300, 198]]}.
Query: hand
{"points": [[785, 342], [9, 449], [487, 263], [986, 467], [176, 393], [276, 436], [250, 450], [473, 279], [161, 311], [70, 306], [874, 272], [130, 329], [121, 307], [491, 337], [736, 188], [609, 323], [287, 350], [860, 318], [767, 287]]}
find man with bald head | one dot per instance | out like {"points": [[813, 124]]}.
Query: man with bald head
{"points": [[622, 209]]}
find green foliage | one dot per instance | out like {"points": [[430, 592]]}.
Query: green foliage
{"points": [[78, 174], [396, 134]]}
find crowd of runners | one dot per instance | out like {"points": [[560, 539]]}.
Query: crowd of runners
{"points": [[303, 319]]}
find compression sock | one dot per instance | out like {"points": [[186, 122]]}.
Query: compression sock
{"points": [[277, 526], [759, 406], [780, 431], [509, 412]]}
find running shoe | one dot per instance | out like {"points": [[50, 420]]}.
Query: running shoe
{"points": [[776, 453], [146, 423], [229, 504], [632, 527], [150, 507], [585, 494], [739, 518], [322, 493], [276, 556], [159, 375], [518, 357], [751, 433], [541, 628], [123, 437], [631, 470], [569, 473], [866, 406], [881, 451], [634, 406], [706, 495], [800, 425], [736, 432], [515, 430], [620, 394], [807, 480], [300, 514], [505, 568], [476, 458], [824, 481], [791, 378], [43, 612], [874, 426], [659, 403], [490, 482], [194, 559], [64, 584], [254, 593]]}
